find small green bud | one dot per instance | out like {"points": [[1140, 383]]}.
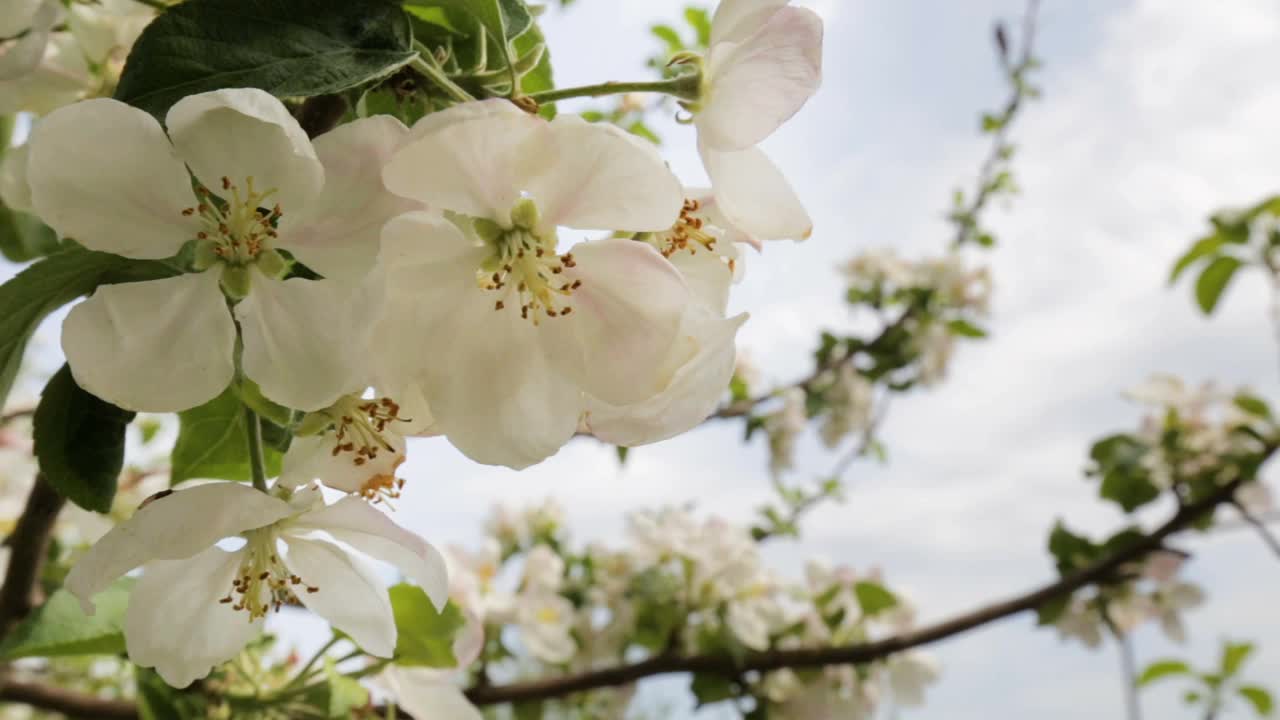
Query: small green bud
{"points": [[205, 256], [489, 231], [313, 424], [525, 214], [272, 263], [236, 281]]}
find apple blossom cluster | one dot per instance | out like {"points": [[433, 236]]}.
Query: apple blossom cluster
{"points": [[487, 275], [678, 583]]}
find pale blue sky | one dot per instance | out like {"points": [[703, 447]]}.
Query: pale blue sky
{"points": [[1155, 113]]}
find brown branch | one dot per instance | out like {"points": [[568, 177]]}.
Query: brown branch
{"points": [[68, 702], [28, 546], [862, 653]]}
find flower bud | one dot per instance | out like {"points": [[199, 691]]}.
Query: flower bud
{"points": [[525, 214], [236, 281]]}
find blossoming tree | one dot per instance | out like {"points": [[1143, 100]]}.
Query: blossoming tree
{"points": [[303, 232]]}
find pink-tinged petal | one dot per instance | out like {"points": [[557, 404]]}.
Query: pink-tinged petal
{"points": [[753, 196], [103, 173], [243, 133], [339, 235], [625, 319], [756, 85], [600, 177], [175, 623], [476, 164], [177, 526], [155, 346], [349, 594], [313, 458]]}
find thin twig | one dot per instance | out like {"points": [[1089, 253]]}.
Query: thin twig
{"points": [[1263, 531], [28, 547]]}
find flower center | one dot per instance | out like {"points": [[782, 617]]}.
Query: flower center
{"points": [[523, 260], [548, 615], [238, 225], [359, 426], [687, 234], [263, 583]]}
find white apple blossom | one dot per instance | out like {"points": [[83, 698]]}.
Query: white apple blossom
{"points": [[850, 402], [909, 674], [514, 333], [764, 63], [472, 582], [545, 621], [1169, 601], [783, 426], [105, 174], [543, 570], [219, 598]]}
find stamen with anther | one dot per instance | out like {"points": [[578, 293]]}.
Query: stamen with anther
{"points": [[239, 225], [263, 583], [524, 260]]}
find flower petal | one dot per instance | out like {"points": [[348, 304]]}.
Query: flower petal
{"points": [[305, 341], [736, 20], [313, 458], [708, 273], [478, 162], [756, 85], [20, 16], [358, 524], [338, 236], [23, 55], [176, 624], [700, 371], [625, 318], [424, 695], [754, 197], [176, 526], [244, 133], [155, 346], [104, 173], [350, 596], [437, 121], [61, 77], [600, 177]]}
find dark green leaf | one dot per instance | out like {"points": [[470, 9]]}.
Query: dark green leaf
{"points": [[424, 636], [528, 710], [1214, 280], [1233, 656], [1130, 492], [709, 688], [874, 598], [29, 297], [60, 628], [1162, 669], [290, 48], [213, 445], [1259, 698], [23, 237], [1071, 551], [1049, 612], [541, 77], [79, 442]]}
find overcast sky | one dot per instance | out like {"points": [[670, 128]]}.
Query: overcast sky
{"points": [[1155, 114]]}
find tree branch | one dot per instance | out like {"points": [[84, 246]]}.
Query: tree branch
{"points": [[68, 702], [28, 546]]}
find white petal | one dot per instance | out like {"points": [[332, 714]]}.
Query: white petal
{"points": [[241, 133], [492, 392], [15, 192], [338, 236], [312, 458], [754, 197], [356, 523], [173, 527], [305, 340], [431, 698], [350, 596], [104, 173], [756, 85], [709, 209], [476, 164], [625, 318], [736, 20], [155, 346], [62, 77], [600, 177], [176, 624], [22, 55], [708, 274], [697, 383], [437, 121], [19, 16]]}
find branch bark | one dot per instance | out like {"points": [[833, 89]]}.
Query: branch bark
{"points": [[28, 546], [68, 702]]}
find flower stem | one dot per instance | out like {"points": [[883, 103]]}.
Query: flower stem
{"points": [[684, 87], [253, 431], [302, 674], [426, 65]]}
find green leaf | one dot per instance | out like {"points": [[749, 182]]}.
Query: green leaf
{"points": [[710, 688], [212, 443], [669, 36], [1050, 611], [1130, 492], [1125, 481], [701, 23], [290, 48], [1233, 656], [504, 20], [1253, 405], [424, 636], [345, 694], [79, 442], [874, 598], [23, 237], [59, 628], [964, 328], [541, 77], [1214, 280], [1161, 669], [1071, 551], [1259, 698], [622, 454], [1204, 247]]}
